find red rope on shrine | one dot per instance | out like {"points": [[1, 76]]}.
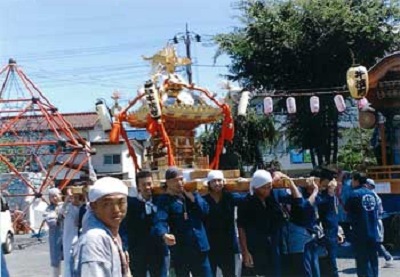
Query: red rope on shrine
{"points": [[156, 127], [118, 130], [227, 128]]}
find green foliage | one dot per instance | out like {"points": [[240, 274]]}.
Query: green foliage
{"points": [[251, 133], [309, 44], [356, 153]]}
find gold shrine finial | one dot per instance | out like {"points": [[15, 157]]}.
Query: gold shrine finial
{"points": [[168, 59]]}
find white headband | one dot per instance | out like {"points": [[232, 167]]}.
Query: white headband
{"points": [[260, 178], [54, 191], [106, 186], [215, 174]]}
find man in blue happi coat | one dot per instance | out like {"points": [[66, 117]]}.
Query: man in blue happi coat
{"points": [[363, 211], [148, 253], [179, 222]]}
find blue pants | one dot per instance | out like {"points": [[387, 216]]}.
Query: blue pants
{"points": [[188, 260], [331, 246], [141, 263], [366, 253], [311, 259]]}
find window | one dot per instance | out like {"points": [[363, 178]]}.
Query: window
{"points": [[298, 156], [112, 159]]}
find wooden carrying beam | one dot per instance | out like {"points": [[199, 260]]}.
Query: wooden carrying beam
{"points": [[236, 185]]}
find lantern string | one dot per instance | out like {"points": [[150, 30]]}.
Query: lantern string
{"points": [[297, 93]]}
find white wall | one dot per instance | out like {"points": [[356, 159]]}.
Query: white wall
{"points": [[98, 159], [94, 135], [126, 165]]}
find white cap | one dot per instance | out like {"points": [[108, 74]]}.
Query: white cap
{"points": [[54, 191], [215, 174], [371, 182], [260, 178], [106, 186]]}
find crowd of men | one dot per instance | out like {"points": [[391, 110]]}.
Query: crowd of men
{"points": [[265, 232]]}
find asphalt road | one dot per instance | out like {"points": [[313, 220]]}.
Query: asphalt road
{"points": [[30, 258]]}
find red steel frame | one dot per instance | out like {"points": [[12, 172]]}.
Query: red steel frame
{"points": [[36, 107]]}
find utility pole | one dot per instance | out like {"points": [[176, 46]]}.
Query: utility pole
{"points": [[187, 39], [188, 55]]}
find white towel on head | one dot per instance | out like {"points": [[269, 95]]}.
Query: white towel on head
{"points": [[54, 191], [106, 186], [260, 178]]}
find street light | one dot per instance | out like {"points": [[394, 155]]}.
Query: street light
{"points": [[187, 38]]}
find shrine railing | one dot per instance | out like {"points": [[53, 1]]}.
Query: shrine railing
{"points": [[387, 178], [384, 172]]}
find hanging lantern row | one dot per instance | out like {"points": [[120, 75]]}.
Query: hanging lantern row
{"points": [[357, 82], [314, 104]]}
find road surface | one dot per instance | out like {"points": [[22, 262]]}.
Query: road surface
{"points": [[30, 258]]}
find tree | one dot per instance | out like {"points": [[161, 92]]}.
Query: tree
{"points": [[251, 133], [356, 152], [309, 44]]}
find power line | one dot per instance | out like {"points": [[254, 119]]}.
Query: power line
{"points": [[84, 51]]}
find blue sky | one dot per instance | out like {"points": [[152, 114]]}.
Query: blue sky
{"points": [[79, 50]]}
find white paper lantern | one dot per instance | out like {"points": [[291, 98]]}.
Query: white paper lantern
{"points": [[340, 103], [358, 81], [153, 99], [268, 105], [104, 116], [291, 105], [314, 104], [243, 102]]}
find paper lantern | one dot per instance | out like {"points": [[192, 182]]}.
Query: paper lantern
{"points": [[340, 103], [357, 81], [243, 102], [291, 105], [104, 115], [362, 103], [314, 104], [268, 105], [153, 99]]}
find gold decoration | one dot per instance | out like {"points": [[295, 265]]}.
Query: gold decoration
{"points": [[168, 58]]}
